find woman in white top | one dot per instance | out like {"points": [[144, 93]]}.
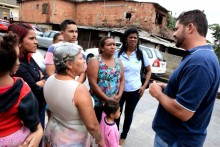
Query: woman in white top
{"points": [[72, 114]]}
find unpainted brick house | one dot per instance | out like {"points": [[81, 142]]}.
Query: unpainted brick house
{"points": [[98, 18]]}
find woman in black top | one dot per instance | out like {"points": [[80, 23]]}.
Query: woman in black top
{"points": [[28, 69]]}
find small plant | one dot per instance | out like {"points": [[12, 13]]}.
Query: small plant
{"points": [[216, 35], [170, 22]]}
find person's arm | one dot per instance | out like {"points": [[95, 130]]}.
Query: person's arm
{"points": [[169, 103], [50, 69], [82, 77], [147, 79], [25, 73], [28, 112], [92, 74], [122, 82], [148, 75], [33, 140], [83, 102]]}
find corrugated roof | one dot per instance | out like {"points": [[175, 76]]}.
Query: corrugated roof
{"points": [[142, 35]]}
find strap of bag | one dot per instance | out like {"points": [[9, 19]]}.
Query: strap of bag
{"points": [[142, 61]]}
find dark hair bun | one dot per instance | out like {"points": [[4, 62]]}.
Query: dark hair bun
{"points": [[9, 41]]}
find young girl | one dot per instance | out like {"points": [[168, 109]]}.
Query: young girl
{"points": [[109, 128], [19, 120]]}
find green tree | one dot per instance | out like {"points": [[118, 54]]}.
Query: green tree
{"points": [[216, 34], [170, 21]]}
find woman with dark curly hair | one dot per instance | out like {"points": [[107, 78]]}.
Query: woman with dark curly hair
{"points": [[19, 120]]}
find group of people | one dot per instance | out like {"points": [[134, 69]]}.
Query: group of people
{"points": [[82, 117]]}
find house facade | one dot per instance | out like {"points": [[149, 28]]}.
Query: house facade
{"points": [[98, 18], [150, 17], [9, 8]]}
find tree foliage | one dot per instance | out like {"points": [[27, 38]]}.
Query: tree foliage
{"points": [[171, 22], [216, 34]]}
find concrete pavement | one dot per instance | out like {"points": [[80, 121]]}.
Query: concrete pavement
{"points": [[142, 135]]}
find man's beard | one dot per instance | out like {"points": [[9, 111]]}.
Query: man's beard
{"points": [[179, 41]]}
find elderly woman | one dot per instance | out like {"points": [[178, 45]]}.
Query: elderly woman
{"points": [[72, 114], [19, 122]]}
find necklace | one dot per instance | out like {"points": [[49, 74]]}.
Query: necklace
{"points": [[72, 76]]}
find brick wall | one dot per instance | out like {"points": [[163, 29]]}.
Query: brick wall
{"points": [[57, 11], [108, 14]]}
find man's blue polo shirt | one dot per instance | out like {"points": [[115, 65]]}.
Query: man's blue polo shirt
{"points": [[194, 85], [132, 68]]}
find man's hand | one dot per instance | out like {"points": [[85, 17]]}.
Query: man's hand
{"points": [[162, 85], [155, 89]]}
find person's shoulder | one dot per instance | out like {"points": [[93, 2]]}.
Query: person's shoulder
{"points": [[94, 61], [79, 46], [51, 48], [116, 53], [82, 91]]}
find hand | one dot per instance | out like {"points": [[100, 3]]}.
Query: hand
{"points": [[41, 74], [162, 85], [117, 98], [100, 144], [34, 138], [155, 89], [41, 83], [141, 91]]}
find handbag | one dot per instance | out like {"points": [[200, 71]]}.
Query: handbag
{"points": [[143, 70]]}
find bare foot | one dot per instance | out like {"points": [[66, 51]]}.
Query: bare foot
{"points": [[121, 142]]}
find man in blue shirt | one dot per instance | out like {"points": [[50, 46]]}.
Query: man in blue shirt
{"points": [[186, 102]]}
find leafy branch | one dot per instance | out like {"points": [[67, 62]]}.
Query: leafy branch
{"points": [[216, 35]]}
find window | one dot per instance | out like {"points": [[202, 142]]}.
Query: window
{"points": [[52, 34], [148, 51], [159, 18], [128, 16], [37, 6], [45, 8], [46, 34]]}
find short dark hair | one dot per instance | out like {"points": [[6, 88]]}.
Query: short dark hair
{"points": [[198, 18], [8, 55], [102, 42], [110, 107], [56, 36], [65, 23]]}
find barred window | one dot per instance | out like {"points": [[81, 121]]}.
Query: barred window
{"points": [[45, 8]]}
